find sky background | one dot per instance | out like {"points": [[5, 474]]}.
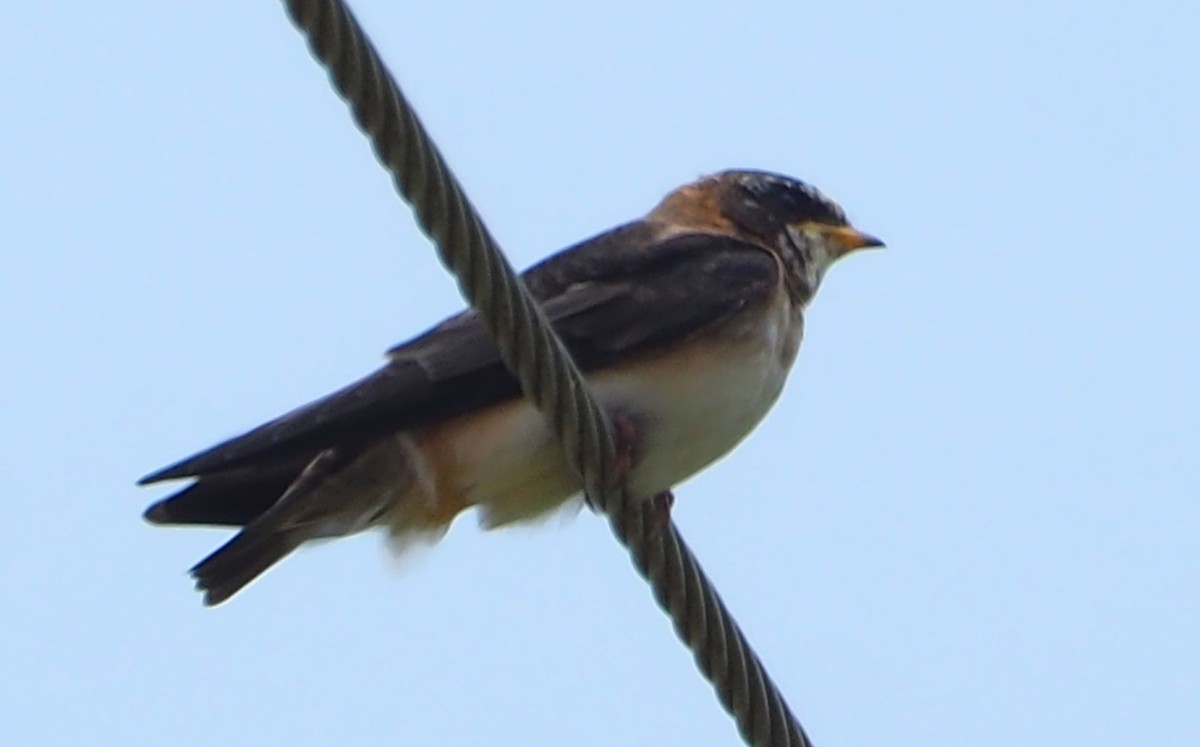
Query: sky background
{"points": [[972, 519]]}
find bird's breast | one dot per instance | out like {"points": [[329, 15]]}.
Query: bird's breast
{"points": [[700, 400], [691, 403]]}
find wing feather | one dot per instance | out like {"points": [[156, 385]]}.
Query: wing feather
{"points": [[610, 299]]}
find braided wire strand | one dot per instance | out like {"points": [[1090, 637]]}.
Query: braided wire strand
{"points": [[548, 375]]}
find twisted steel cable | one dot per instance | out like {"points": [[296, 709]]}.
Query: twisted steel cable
{"points": [[547, 374]]}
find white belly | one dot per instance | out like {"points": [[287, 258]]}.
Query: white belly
{"points": [[691, 407], [696, 410]]}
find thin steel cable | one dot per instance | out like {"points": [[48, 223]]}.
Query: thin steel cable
{"points": [[546, 371]]}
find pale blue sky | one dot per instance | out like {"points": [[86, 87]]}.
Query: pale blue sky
{"points": [[973, 518]]}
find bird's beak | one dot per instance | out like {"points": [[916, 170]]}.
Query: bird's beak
{"points": [[848, 238]]}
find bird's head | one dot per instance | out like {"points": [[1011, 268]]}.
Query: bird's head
{"points": [[806, 229], [809, 230]]}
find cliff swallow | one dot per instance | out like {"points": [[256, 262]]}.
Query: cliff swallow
{"points": [[686, 323]]}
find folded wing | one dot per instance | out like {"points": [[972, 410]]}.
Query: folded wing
{"points": [[611, 299]]}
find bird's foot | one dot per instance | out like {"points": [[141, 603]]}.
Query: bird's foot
{"points": [[628, 445], [660, 509]]}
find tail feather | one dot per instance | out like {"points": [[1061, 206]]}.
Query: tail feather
{"points": [[239, 561], [300, 514], [280, 506], [233, 498]]}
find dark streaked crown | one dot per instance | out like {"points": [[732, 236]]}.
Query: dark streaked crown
{"points": [[764, 203]]}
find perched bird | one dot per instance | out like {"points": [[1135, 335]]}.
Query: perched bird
{"points": [[686, 323]]}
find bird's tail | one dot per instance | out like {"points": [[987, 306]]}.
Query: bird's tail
{"points": [[233, 497], [340, 491], [241, 560], [310, 507]]}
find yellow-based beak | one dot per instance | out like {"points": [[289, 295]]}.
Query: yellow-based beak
{"points": [[849, 238]]}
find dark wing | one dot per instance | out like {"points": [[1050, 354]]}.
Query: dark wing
{"points": [[610, 298]]}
